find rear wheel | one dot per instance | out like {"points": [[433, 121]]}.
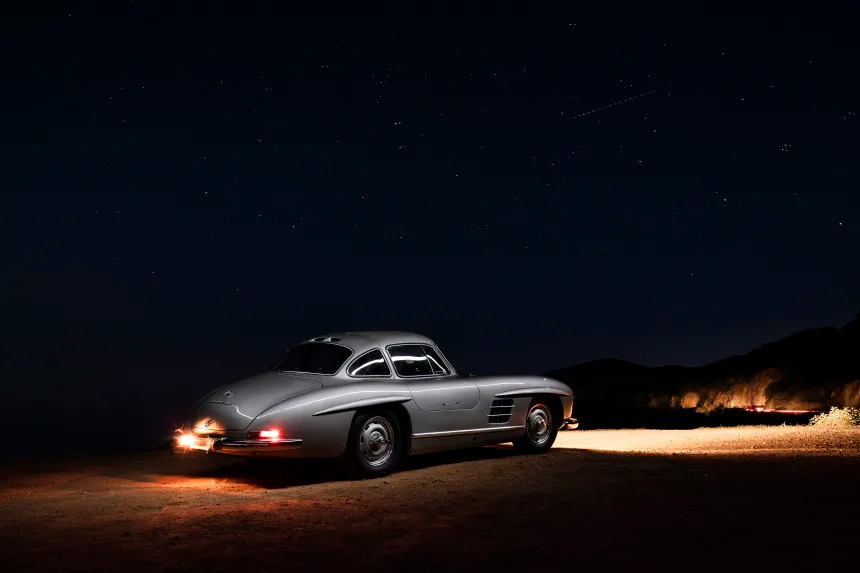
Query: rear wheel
{"points": [[374, 444], [541, 428]]}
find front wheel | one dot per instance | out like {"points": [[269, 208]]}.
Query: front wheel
{"points": [[541, 429], [374, 445]]}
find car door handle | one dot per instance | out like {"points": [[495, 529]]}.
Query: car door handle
{"points": [[450, 403]]}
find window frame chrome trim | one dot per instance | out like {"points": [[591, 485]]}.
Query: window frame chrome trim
{"points": [[444, 361], [420, 376], [384, 360]]}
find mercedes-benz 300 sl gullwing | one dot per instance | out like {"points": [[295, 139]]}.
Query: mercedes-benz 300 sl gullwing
{"points": [[372, 398]]}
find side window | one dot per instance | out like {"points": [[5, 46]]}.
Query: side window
{"points": [[369, 364], [410, 360], [436, 362]]}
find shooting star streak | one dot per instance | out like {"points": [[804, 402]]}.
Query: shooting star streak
{"points": [[613, 104]]}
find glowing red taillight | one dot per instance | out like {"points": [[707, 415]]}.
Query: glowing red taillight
{"points": [[270, 434]]}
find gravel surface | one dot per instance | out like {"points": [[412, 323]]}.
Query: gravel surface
{"points": [[738, 499], [780, 440]]}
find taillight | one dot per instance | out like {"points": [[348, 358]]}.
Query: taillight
{"points": [[270, 434]]}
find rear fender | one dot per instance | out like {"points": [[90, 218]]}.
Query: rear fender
{"points": [[322, 418]]}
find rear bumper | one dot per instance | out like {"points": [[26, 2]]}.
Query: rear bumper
{"points": [[186, 443], [245, 447]]}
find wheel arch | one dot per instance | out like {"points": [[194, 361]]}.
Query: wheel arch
{"points": [[403, 417], [557, 408]]}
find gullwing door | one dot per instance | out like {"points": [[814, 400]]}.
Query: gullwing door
{"points": [[430, 381]]}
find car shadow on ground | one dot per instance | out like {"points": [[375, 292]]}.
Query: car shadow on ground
{"points": [[278, 474], [617, 510], [153, 466]]}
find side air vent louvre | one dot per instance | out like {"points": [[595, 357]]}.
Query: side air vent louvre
{"points": [[500, 411]]}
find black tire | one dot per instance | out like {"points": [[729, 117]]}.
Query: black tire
{"points": [[541, 428], [374, 444]]}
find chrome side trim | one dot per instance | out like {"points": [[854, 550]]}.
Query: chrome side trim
{"points": [[364, 403], [465, 432], [532, 391]]}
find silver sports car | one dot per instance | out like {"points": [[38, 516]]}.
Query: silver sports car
{"points": [[371, 398]]}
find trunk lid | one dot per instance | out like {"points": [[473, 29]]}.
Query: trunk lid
{"points": [[234, 406]]}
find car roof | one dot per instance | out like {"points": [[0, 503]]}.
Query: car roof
{"points": [[363, 340]]}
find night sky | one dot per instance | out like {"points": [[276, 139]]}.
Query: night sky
{"points": [[199, 185]]}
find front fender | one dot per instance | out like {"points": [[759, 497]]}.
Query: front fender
{"points": [[542, 386]]}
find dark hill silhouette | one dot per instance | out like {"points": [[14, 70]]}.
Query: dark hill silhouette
{"points": [[810, 370]]}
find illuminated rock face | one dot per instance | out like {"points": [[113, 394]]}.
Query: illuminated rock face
{"points": [[690, 400], [734, 393], [766, 391], [848, 396]]}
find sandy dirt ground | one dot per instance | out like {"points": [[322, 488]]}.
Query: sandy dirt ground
{"points": [[734, 499]]}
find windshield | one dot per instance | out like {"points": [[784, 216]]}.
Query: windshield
{"points": [[313, 358]]}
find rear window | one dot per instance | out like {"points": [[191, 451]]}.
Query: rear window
{"points": [[313, 358]]}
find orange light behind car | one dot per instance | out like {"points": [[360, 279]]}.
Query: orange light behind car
{"points": [[186, 440]]}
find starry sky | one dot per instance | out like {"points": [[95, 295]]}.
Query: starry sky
{"points": [[531, 185]]}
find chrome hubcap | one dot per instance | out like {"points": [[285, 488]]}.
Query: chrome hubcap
{"points": [[538, 424], [376, 441]]}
